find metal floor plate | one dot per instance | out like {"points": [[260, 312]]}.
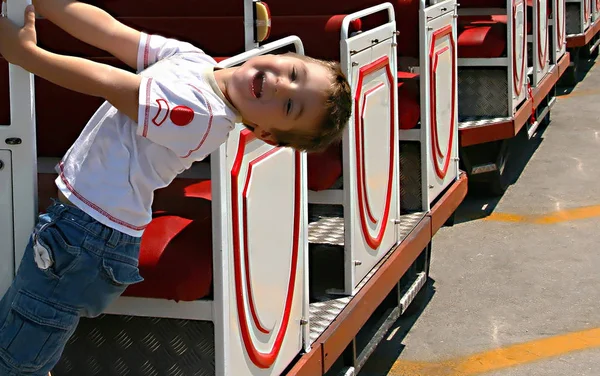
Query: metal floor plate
{"points": [[326, 225], [328, 230], [139, 346]]}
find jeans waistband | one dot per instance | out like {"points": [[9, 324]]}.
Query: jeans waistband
{"points": [[113, 237]]}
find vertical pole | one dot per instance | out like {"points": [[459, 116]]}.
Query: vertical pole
{"points": [[22, 135], [249, 25]]}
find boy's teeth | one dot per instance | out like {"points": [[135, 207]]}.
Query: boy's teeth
{"points": [[257, 85]]}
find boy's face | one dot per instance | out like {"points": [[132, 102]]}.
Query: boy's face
{"points": [[279, 92]]}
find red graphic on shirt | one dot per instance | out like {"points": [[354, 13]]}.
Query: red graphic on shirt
{"points": [[182, 115], [163, 112]]}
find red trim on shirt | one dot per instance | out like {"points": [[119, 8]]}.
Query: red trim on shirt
{"points": [[210, 119], [147, 51], [94, 206], [160, 109], [147, 113]]}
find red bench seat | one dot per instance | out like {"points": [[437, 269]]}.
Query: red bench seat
{"points": [[483, 4], [481, 37], [320, 34], [176, 250], [409, 106], [407, 19]]}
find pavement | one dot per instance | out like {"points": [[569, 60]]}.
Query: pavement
{"points": [[515, 283]]}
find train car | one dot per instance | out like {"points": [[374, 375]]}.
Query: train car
{"points": [[511, 56], [582, 27], [261, 260]]}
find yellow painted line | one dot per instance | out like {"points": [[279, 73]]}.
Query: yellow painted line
{"points": [[549, 218], [502, 358], [505, 217]]}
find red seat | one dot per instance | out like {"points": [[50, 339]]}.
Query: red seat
{"points": [[180, 8], [176, 250], [285, 14], [406, 12], [217, 36], [324, 168], [320, 35], [409, 107], [501, 18], [483, 4], [481, 39], [176, 8]]}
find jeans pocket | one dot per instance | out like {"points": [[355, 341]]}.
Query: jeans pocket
{"points": [[55, 252], [35, 332], [120, 274], [116, 277]]}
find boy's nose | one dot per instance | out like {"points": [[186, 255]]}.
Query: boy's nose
{"points": [[282, 87]]}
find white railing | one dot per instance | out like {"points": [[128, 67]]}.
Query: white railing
{"points": [[19, 139]]}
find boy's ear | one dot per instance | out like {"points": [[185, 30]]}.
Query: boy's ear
{"points": [[249, 125], [265, 136], [268, 138]]}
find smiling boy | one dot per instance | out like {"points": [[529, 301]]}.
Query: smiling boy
{"points": [[176, 110], [285, 103]]}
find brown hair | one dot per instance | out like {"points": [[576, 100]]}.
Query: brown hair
{"points": [[338, 108]]}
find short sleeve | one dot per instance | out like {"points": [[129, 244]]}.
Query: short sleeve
{"points": [[182, 117], [154, 48]]}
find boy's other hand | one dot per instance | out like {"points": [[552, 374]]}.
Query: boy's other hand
{"points": [[17, 43]]}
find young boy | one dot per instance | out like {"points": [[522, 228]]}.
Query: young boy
{"points": [[84, 251]]}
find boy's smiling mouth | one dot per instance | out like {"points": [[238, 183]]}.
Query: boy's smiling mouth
{"points": [[257, 83]]}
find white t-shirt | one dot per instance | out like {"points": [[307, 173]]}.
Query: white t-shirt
{"points": [[114, 167]]}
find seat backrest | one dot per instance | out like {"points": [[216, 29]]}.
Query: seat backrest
{"points": [[483, 4], [176, 8], [407, 16]]}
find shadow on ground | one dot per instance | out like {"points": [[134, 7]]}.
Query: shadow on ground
{"points": [[585, 65], [478, 204], [391, 347]]}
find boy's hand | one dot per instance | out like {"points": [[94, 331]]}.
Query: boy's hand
{"points": [[17, 43], [19, 46]]}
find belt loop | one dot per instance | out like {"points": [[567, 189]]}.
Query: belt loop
{"points": [[114, 238], [58, 207]]}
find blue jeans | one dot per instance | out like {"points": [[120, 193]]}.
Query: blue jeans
{"points": [[73, 267]]}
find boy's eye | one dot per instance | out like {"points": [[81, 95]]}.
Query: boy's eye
{"points": [[289, 106], [294, 74]]}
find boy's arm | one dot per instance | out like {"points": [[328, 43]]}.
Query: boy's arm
{"points": [[93, 26], [19, 46], [117, 86]]}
